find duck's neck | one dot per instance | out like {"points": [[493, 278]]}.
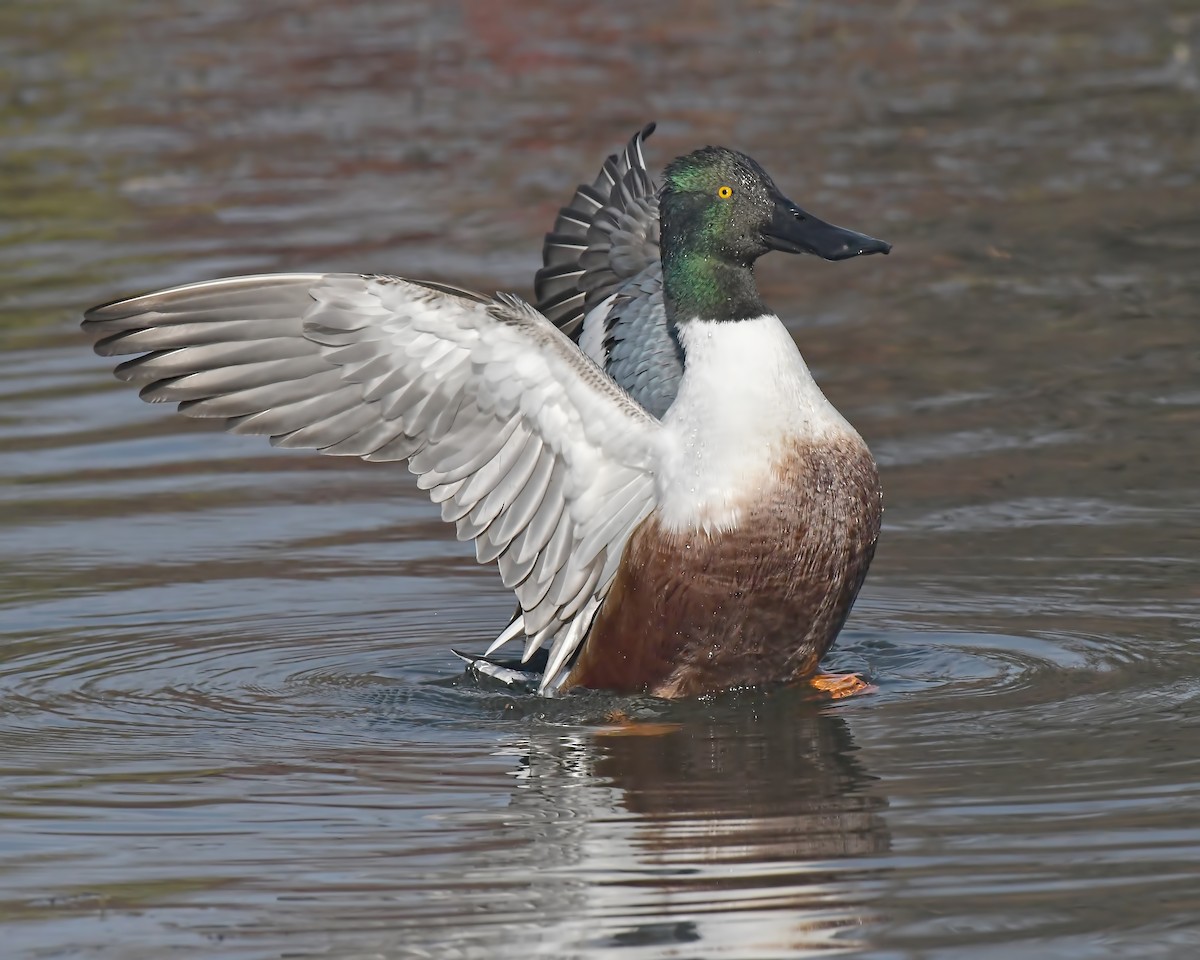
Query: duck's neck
{"points": [[700, 285]]}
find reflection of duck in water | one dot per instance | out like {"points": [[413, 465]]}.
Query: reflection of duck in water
{"points": [[719, 830], [720, 546]]}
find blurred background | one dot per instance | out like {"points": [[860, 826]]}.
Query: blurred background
{"points": [[230, 722]]}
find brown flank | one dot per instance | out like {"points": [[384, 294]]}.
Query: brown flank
{"points": [[690, 614]]}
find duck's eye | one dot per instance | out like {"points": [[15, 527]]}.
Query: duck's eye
{"points": [[724, 192]]}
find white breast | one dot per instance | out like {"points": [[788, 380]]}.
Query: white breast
{"points": [[745, 397]]}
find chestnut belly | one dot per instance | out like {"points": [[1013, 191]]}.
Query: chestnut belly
{"points": [[692, 613]]}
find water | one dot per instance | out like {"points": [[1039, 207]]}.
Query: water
{"points": [[230, 723]]}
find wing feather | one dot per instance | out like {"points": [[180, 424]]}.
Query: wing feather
{"points": [[525, 503], [531, 450], [527, 544]]}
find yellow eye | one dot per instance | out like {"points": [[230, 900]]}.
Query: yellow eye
{"points": [[724, 192]]}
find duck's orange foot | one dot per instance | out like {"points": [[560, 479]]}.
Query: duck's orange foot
{"points": [[840, 685], [625, 726]]}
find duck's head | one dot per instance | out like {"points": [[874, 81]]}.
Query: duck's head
{"points": [[720, 203]]}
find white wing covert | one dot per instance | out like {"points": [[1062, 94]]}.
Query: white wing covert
{"points": [[530, 449]]}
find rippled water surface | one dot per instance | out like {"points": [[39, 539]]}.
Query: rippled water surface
{"points": [[230, 721]]}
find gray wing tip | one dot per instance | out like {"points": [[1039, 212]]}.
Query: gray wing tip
{"points": [[104, 311], [126, 307]]}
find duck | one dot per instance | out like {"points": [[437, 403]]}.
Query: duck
{"points": [[643, 453]]}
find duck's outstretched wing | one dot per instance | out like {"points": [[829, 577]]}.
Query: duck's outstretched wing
{"points": [[601, 281], [529, 448]]}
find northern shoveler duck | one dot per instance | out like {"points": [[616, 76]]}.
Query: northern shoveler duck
{"points": [[677, 506]]}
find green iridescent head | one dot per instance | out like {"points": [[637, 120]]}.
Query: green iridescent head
{"points": [[721, 203], [720, 212], [715, 202]]}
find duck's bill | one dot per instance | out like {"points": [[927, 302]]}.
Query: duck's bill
{"points": [[793, 230]]}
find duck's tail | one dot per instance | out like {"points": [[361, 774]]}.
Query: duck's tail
{"points": [[523, 677]]}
